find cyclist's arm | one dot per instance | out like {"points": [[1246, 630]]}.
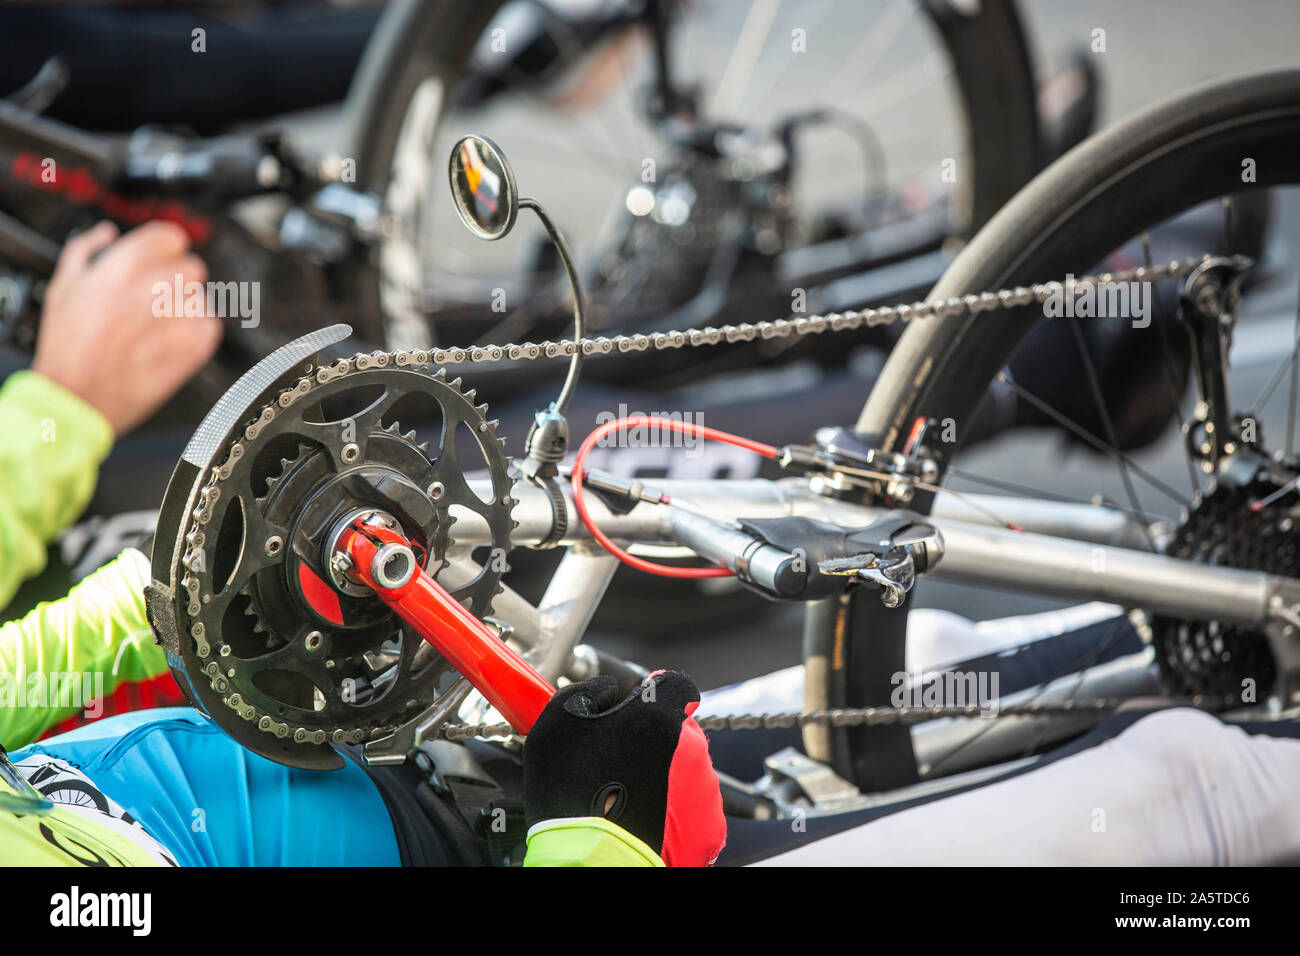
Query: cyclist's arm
{"points": [[586, 841], [64, 654], [51, 446], [601, 753]]}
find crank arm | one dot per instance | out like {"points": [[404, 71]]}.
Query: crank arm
{"points": [[383, 560]]}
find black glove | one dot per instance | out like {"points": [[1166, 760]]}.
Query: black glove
{"points": [[640, 761]]}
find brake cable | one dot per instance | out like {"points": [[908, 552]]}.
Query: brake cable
{"points": [[670, 424]]}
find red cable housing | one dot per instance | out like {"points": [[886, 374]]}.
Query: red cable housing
{"points": [[670, 424]]}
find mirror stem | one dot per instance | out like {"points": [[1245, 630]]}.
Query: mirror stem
{"points": [[579, 305]]}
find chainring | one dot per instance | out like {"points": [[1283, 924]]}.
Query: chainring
{"points": [[282, 659], [1230, 526]]}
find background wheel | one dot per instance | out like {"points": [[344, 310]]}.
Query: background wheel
{"points": [[410, 92]]}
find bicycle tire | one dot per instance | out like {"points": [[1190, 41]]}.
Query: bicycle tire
{"points": [[414, 41], [1168, 158]]}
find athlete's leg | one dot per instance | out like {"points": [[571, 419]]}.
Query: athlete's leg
{"points": [[1176, 787]]}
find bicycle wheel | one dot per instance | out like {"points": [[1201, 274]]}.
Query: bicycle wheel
{"points": [[407, 84], [396, 101], [1098, 197]]}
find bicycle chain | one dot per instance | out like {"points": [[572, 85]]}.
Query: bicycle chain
{"points": [[870, 716], [782, 328], [691, 338]]}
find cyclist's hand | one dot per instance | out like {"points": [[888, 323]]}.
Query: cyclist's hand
{"points": [[641, 761], [99, 337]]}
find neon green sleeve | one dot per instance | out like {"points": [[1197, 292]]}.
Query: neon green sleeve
{"points": [[51, 446], [66, 653], [57, 836], [586, 841]]}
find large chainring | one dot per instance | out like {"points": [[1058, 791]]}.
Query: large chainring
{"points": [[1231, 526], [284, 659]]}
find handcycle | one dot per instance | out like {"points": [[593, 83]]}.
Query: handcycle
{"points": [[324, 574]]}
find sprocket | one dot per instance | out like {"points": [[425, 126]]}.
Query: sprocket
{"points": [[283, 658], [1247, 520]]}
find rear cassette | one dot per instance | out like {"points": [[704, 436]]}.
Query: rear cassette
{"points": [[1246, 523]]}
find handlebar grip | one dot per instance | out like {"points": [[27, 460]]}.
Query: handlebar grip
{"points": [[755, 562], [233, 173]]}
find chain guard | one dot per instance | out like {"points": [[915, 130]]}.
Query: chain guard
{"points": [[283, 662]]}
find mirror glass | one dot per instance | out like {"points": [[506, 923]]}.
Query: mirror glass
{"points": [[483, 187]]}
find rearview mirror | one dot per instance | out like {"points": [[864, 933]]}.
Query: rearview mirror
{"points": [[483, 187]]}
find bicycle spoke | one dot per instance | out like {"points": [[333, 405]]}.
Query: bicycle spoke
{"points": [[887, 28], [898, 176], [1295, 380], [1090, 438], [649, 143], [1094, 385], [933, 70], [1275, 376], [1041, 688], [754, 33], [1028, 491], [1102, 648], [774, 83], [560, 153], [570, 52]]}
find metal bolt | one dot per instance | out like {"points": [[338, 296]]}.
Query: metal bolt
{"points": [[350, 452], [314, 640], [273, 545], [436, 491], [1207, 300]]}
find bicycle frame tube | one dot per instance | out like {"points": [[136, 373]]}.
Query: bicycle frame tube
{"points": [[1088, 565], [21, 130]]}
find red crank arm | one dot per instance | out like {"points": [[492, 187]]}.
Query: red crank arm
{"points": [[379, 555]]}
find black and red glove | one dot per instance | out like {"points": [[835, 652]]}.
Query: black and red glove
{"points": [[640, 761]]}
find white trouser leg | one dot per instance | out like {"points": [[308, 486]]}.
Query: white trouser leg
{"points": [[1177, 788]]}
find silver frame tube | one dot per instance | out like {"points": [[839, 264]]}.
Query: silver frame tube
{"points": [[1074, 568]]}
